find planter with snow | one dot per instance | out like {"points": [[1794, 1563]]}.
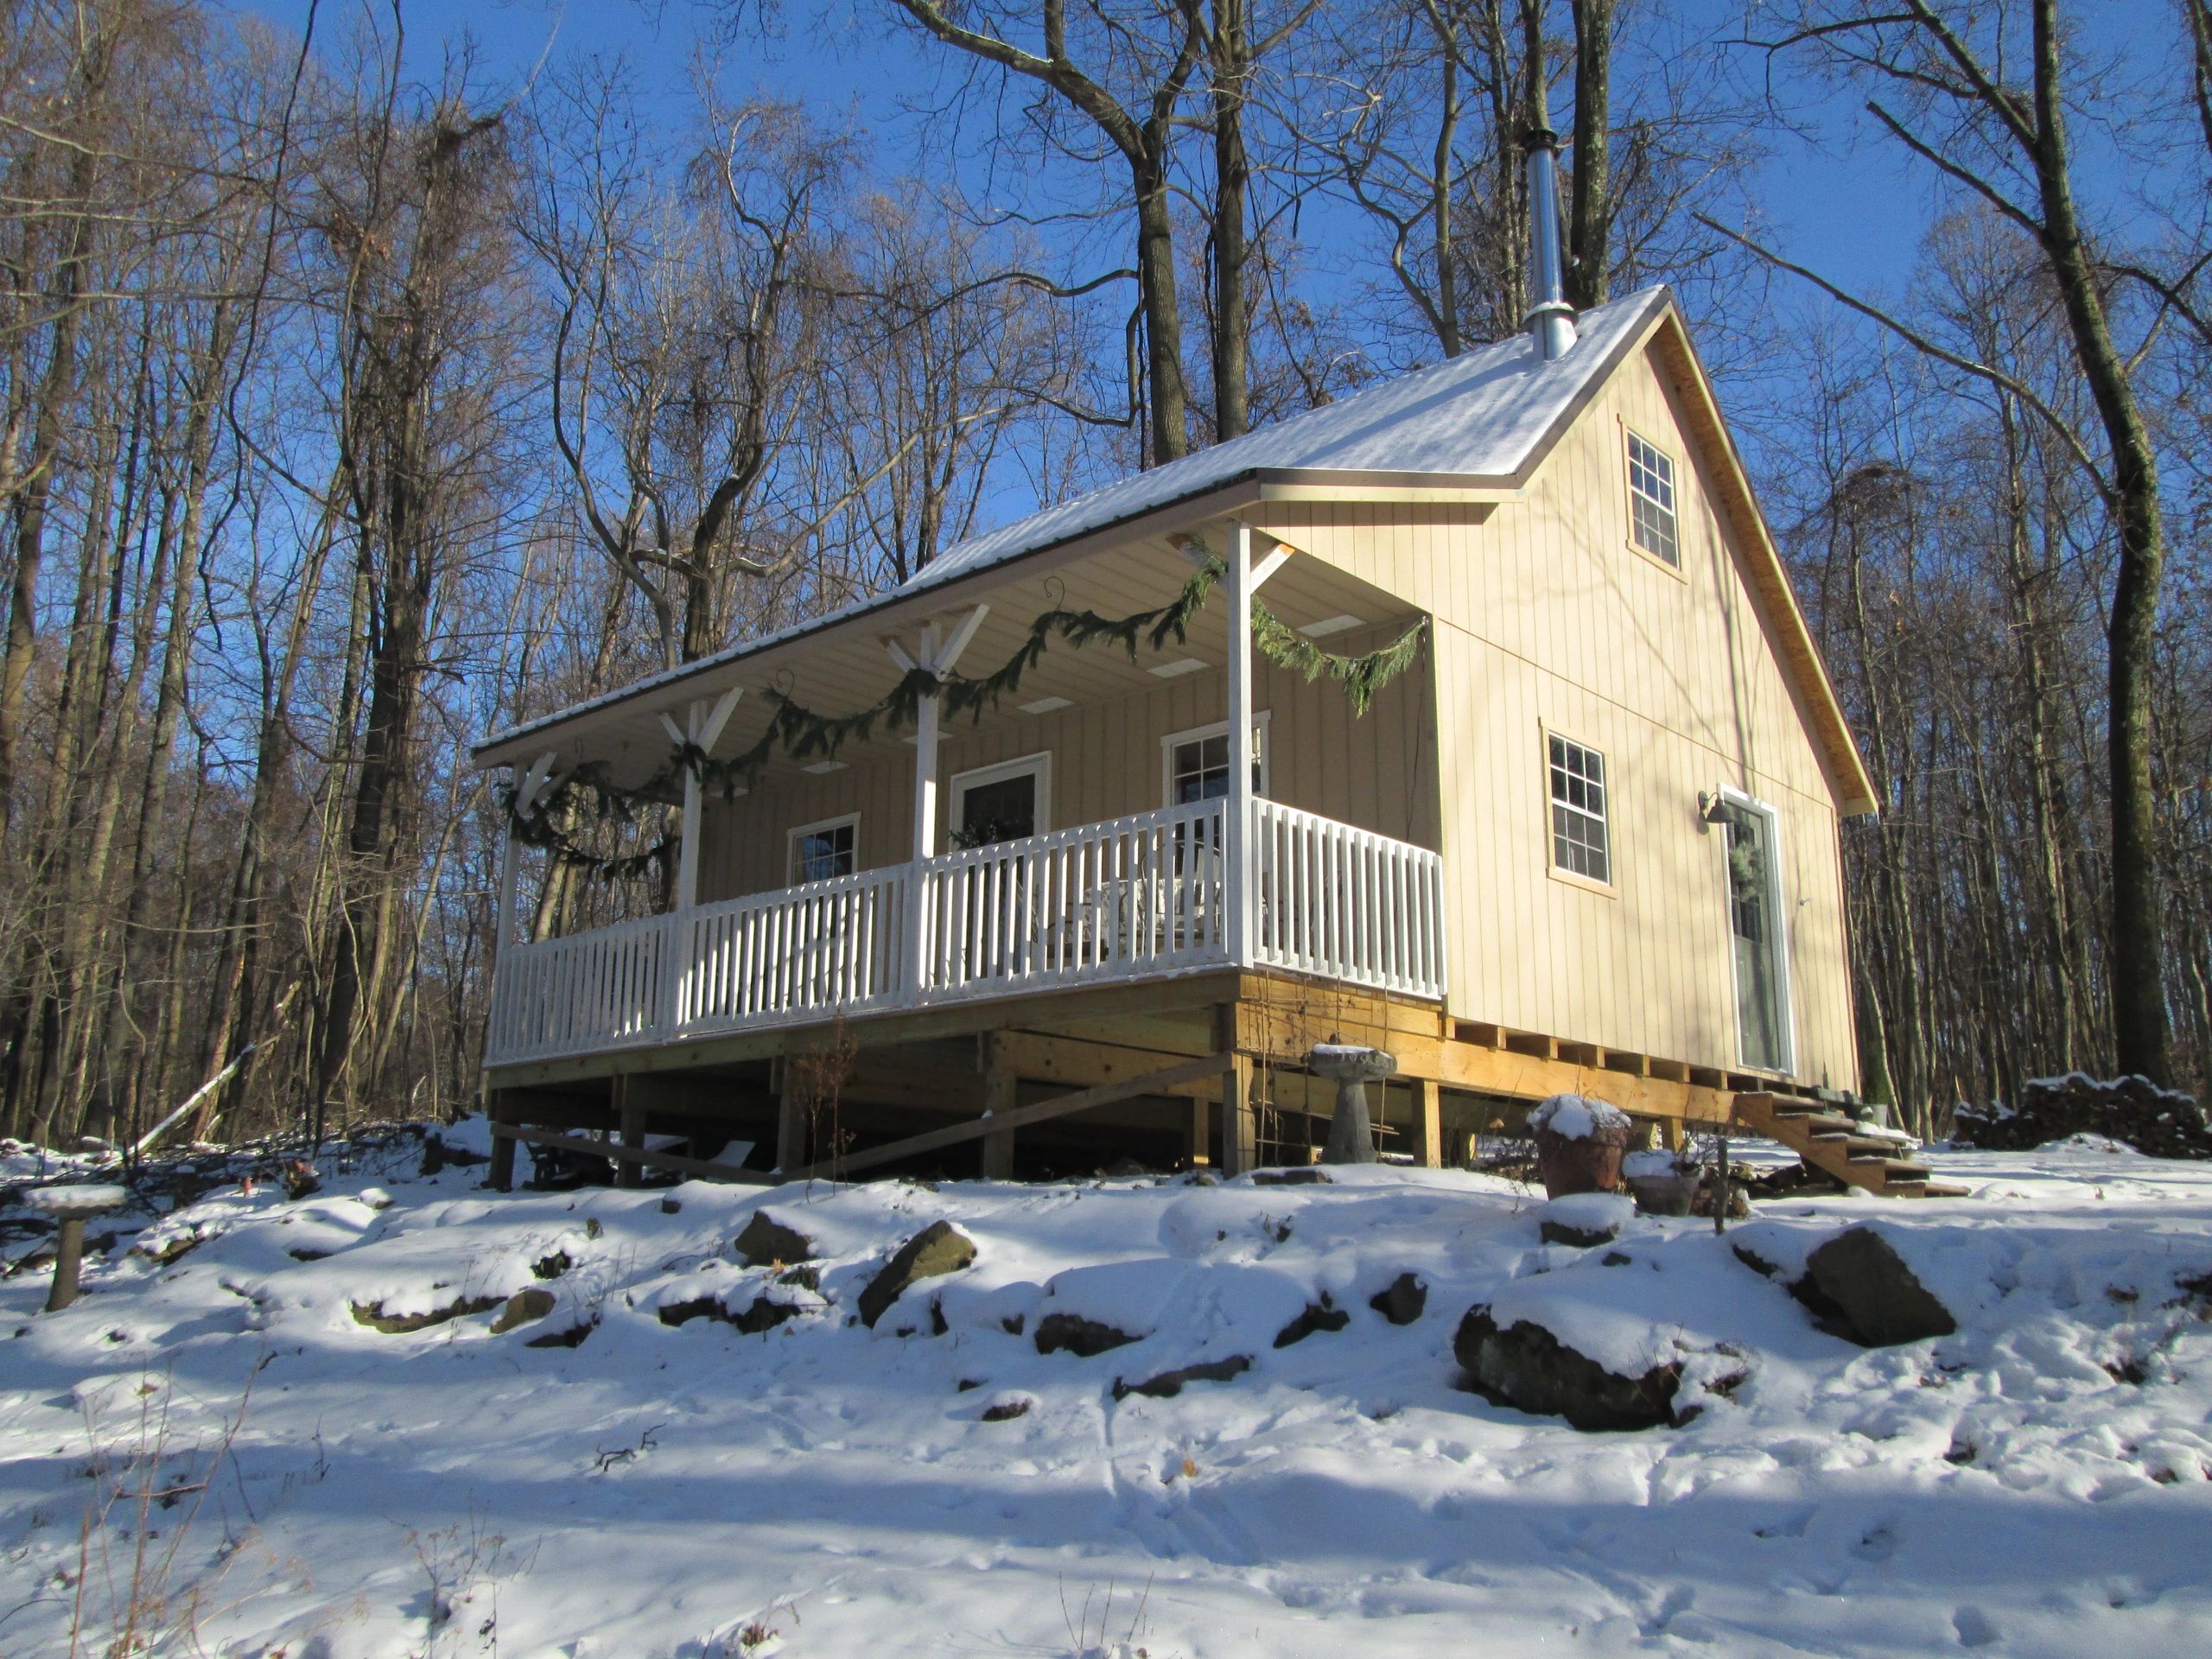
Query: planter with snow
{"points": [[1579, 1144], [1660, 1183]]}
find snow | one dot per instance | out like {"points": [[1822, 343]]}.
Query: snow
{"points": [[75, 1200], [1590, 1212], [1653, 1162], [2036, 1484], [1576, 1117], [1480, 415]]}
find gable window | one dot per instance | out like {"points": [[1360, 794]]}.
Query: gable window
{"points": [[1651, 500], [1580, 844], [1195, 764], [820, 851]]}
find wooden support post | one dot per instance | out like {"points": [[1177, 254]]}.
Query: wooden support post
{"points": [[791, 1149], [502, 1177], [68, 1258], [632, 1118], [1201, 1133], [1428, 1122], [1240, 1152], [1001, 1094]]}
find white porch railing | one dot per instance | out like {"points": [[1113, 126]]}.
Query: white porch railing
{"points": [[772, 956], [1347, 904], [1132, 898]]}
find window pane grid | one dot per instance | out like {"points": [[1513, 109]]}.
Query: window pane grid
{"points": [[820, 854], [1651, 499], [1579, 837]]}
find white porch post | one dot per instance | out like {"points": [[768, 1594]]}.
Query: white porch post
{"points": [[702, 729], [503, 908], [937, 655], [529, 786], [925, 845], [1242, 888]]}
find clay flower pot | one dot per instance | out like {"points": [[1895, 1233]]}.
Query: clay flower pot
{"points": [[1660, 1185], [1579, 1144]]}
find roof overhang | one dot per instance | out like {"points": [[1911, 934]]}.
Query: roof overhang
{"points": [[639, 705]]}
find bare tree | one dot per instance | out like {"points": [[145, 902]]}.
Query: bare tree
{"points": [[1946, 95]]}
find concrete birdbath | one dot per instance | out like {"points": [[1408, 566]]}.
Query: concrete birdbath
{"points": [[1351, 1139], [71, 1207]]}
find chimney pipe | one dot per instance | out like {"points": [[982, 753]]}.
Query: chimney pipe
{"points": [[1550, 319]]}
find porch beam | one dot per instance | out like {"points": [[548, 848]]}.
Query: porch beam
{"points": [[1273, 562]]}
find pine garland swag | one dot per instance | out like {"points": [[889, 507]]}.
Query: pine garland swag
{"points": [[801, 733]]}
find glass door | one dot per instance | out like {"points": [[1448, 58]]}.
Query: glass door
{"points": [[1756, 935]]}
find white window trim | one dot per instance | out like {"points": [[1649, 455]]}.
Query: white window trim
{"points": [[1198, 734], [1611, 887], [1782, 915], [1678, 567], [790, 845], [1039, 765]]}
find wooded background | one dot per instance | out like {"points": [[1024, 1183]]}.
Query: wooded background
{"points": [[352, 411]]}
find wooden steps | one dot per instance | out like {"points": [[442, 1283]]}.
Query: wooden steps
{"points": [[1829, 1142]]}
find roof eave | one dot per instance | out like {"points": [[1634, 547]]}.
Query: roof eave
{"points": [[1221, 499]]}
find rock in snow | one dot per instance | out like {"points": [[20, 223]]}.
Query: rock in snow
{"points": [[1862, 1274], [938, 1249], [768, 1243], [600, 1482], [1526, 1367], [1585, 1220], [1402, 1300]]}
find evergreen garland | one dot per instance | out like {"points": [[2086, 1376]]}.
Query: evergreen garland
{"points": [[801, 733]]}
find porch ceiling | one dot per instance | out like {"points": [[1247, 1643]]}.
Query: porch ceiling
{"points": [[845, 667]]}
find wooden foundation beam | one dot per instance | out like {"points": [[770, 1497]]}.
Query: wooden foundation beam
{"points": [[631, 1117], [790, 1121], [1019, 1117], [1001, 1094], [637, 1157]]}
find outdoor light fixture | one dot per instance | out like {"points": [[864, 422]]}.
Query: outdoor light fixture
{"points": [[1047, 705], [1177, 669]]}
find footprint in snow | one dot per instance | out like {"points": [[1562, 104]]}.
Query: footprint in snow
{"points": [[1879, 1545], [1974, 1627]]}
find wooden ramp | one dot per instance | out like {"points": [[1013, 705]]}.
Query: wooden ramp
{"points": [[1831, 1143]]}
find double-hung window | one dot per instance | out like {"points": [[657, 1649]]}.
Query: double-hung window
{"points": [[820, 851], [1195, 764], [1651, 500], [1580, 842]]}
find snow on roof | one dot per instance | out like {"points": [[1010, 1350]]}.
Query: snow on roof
{"points": [[1481, 416]]}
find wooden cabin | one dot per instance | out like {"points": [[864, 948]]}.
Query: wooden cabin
{"points": [[1587, 841]]}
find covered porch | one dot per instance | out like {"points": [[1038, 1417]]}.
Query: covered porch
{"points": [[1176, 891], [833, 881]]}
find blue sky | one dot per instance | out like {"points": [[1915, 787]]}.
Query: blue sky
{"points": [[1856, 216]]}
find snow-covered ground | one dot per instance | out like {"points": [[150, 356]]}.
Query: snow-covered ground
{"points": [[224, 1430]]}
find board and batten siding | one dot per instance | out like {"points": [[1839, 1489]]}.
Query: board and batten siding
{"points": [[1549, 618], [1106, 764]]}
